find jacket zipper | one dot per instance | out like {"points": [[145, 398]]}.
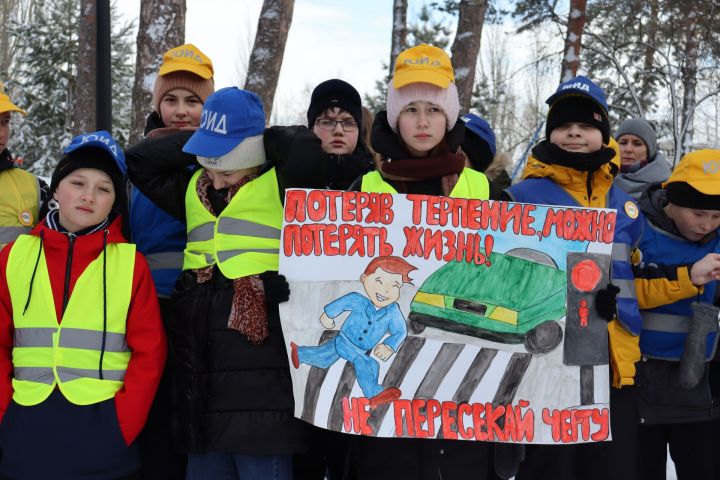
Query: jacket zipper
{"points": [[68, 266]]}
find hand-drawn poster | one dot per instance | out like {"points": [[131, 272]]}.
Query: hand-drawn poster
{"points": [[432, 317]]}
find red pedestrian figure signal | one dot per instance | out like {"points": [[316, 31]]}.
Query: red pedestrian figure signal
{"points": [[583, 312], [585, 276]]}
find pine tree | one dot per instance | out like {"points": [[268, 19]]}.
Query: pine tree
{"points": [[45, 82]]}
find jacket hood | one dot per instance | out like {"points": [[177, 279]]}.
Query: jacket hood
{"points": [[651, 203], [95, 239], [500, 165], [572, 180], [634, 183], [152, 122]]}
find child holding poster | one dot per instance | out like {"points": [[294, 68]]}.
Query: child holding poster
{"points": [[232, 394], [418, 138], [574, 166]]}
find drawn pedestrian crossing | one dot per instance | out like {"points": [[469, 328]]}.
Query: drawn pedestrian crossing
{"points": [[464, 373]]}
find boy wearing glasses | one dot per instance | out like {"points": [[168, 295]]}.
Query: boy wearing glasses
{"points": [[335, 118]]}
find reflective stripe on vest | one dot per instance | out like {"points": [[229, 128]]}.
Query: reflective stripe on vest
{"points": [[163, 260], [665, 322], [665, 327], [470, 184], [19, 190], [8, 234], [245, 238], [85, 361]]}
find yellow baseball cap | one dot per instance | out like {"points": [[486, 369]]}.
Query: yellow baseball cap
{"points": [[423, 63], [6, 105], [699, 169], [187, 58]]}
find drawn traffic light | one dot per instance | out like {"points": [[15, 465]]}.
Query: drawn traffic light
{"points": [[585, 330]]}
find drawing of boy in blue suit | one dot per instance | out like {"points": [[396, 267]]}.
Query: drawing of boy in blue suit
{"points": [[369, 320]]}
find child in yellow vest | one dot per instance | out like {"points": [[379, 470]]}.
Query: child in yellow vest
{"points": [[419, 138], [21, 193], [231, 390], [81, 341]]}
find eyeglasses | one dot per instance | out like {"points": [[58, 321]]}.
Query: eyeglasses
{"points": [[330, 124]]}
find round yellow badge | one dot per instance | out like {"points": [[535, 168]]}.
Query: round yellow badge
{"points": [[25, 218], [631, 209]]}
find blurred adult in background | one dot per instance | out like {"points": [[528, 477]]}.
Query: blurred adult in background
{"points": [[641, 162]]}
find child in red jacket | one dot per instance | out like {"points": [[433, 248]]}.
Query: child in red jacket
{"points": [[81, 342]]}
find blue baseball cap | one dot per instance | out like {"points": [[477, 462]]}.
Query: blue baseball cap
{"points": [[228, 117], [481, 128], [582, 86], [102, 140]]}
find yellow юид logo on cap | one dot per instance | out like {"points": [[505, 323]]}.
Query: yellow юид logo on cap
{"points": [[699, 169], [187, 58], [424, 63]]}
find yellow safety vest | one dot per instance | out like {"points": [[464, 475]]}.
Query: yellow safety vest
{"points": [[19, 200], [245, 238], [471, 184], [70, 354]]}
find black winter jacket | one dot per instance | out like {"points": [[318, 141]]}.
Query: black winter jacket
{"points": [[228, 395]]}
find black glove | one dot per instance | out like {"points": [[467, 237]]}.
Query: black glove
{"points": [[344, 169], [606, 303], [507, 458], [276, 287]]}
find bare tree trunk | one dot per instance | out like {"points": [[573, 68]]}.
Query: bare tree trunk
{"points": [[649, 57], [84, 118], [399, 33], [11, 11], [689, 72], [573, 40], [162, 27], [268, 50], [466, 47], [7, 7]]}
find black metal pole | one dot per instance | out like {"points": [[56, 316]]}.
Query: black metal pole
{"points": [[103, 106]]}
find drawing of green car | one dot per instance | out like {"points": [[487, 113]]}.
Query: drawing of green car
{"points": [[519, 298]]}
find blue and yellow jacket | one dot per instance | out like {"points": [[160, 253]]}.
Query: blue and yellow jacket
{"points": [[667, 312], [550, 183]]}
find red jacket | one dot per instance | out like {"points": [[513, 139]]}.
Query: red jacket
{"points": [[144, 331]]}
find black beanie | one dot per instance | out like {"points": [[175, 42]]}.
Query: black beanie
{"points": [[91, 157], [579, 109], [334, 93], [684, 195], [477, 150]]}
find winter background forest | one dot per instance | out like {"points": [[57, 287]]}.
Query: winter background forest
{"points": [[656, 59]]}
